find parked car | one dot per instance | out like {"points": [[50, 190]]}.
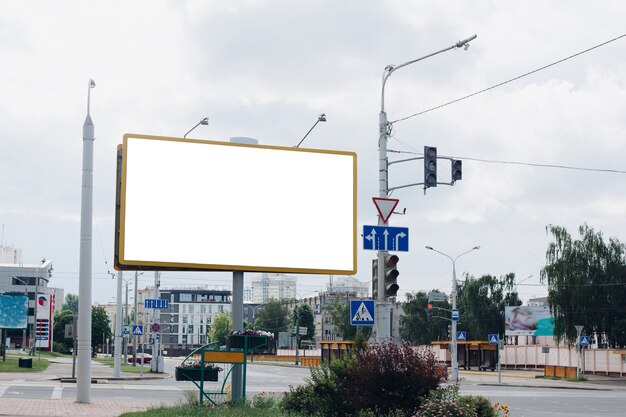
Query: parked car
{"points": [[146, 359]]}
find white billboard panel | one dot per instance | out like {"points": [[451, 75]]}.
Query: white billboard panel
{"points": [[190, 204]]}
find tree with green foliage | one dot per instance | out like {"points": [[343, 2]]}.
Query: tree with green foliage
{"points": [[71, 303], [100, 325], [221, 326], [61, 318], [481, 303], [585, 280], [272, 317], [302, 316], [339, 311], [416, 328]]}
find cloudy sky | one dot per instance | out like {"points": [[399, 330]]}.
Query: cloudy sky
{"points": [[267, 69]]}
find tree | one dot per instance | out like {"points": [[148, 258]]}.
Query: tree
{"points": [[221, 326], [481, 303], [273, 317], [61, 318], [415, 327], [302, 316], [71, 303], [100, 325], [339, 311], [585, 280]]}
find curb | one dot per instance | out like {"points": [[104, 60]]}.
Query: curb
{"points": [[545, 386]]}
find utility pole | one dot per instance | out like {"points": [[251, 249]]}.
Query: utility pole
{"points": [[134, 317]]}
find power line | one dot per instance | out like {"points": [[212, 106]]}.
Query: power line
{"points": [[510, 80]]}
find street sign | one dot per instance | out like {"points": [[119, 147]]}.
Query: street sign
{"points": [[455, 315], [461, 336], [302, 330], [137, 330], [385, 207], [434, 297], [318, 309], [362, 312], [584, 340], [161, 304], [493, 339], [395, 239], [126, 329], [155, 327], [158, 336]]}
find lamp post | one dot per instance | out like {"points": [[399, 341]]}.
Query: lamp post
{"points": [[320, 118], [204, 122], [455, 359], [382, 326]]}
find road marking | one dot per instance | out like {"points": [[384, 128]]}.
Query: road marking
{"points": [[3, 388], [57, 392]]}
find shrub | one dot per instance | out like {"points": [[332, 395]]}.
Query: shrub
{"points": [[445, 408], [383, 378], [59, 347], [481, 405]]}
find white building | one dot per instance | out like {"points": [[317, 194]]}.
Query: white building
{"points": [[273, 286], [350, 285]]}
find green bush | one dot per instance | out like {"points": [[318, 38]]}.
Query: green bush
{"points": [[445, 408], [383, 378], [59, 347], [481, 405]]}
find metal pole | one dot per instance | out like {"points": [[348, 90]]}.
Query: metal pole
{"points": [[117, 355], [83, 382], [135, 320], [454, 347], [238, 391], [127, 321]]}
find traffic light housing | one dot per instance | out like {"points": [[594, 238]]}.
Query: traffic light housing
{"points": [[429, 312], [457, 170], [375, 279], [430, 166], [391, 275]]}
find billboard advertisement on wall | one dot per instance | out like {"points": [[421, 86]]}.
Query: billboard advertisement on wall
{"points": [[206, 205], [13, 311], [528, 321]]}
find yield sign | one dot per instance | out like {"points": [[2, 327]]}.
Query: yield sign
{"points": [[385, 206]]}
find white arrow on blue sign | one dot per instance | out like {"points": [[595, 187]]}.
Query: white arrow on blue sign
{"points": [[394, 239], [584, 340], [161, 304], [461, 336], [362, 312], [137, 330], [493, 339]]}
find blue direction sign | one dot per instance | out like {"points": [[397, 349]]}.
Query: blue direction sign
{"points": [[161, 304], [461, 336], [493, 339], [584, 340], [137, 330], [362, 312], [394, 239], [455, 315]]}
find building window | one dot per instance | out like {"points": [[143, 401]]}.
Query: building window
{"points": [[185, 318], [191, 309], [185, 297], [190, 329]]}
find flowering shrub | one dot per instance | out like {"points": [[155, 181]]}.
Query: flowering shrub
{"points": [[195, 364], [445, 408], [501, 410], [250, 332]]}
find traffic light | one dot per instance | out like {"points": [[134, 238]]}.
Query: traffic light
{"points": [[430, 166], [429, 312], [457, 170], [375, 279], [391, 275], [449, 332]]}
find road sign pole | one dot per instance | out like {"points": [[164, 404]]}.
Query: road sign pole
{"points": [[117, 355]]}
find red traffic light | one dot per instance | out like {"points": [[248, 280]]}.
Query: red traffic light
{"points": [[430, 306]]}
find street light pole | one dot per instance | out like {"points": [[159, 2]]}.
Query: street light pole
{"points": [[204, 121], [454, 347], [382, 325]]}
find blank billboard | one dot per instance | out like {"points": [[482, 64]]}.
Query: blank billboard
{"points": [[206, 205]]}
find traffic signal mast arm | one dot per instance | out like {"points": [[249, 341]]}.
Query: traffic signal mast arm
{"points": [[456, 171]]}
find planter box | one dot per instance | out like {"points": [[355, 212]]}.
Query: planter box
{"points": [[195, 374], [236, 341]]}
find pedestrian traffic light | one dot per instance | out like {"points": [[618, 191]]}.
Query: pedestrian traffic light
{"points": [[391, 275], [430, 166], [449, 332], [429, 312], [457, 170], [375, 279]]}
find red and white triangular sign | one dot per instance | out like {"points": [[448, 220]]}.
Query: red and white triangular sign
{"points": [[385, 206]]}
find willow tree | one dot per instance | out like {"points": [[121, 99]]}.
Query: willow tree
{"points": [[586, 281]]}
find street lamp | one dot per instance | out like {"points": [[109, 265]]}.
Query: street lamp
{"points": [[204, 121], [382, 326], [320, 118], [455, 359]]}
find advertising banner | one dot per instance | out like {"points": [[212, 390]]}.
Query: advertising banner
{"points": [[13, 311], [528, 321]]}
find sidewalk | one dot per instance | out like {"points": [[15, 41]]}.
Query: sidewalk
{"points": [[60, 371]]}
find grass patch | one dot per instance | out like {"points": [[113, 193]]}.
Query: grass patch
{"points": [[11, 365], [222, 411], [125, 367]]}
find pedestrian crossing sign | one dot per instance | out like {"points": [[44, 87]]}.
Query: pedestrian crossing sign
{"points": [[362, 312], [137, 330], [461, 336], [584, 340], [493, 339]]}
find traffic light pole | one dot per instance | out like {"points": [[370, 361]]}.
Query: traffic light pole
{"points": [[382, 322]]}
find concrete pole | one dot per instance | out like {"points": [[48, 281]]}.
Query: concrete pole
{"points": [[83, 380], [454, 348], [135, 319], [117, 356], [237, 311]]}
